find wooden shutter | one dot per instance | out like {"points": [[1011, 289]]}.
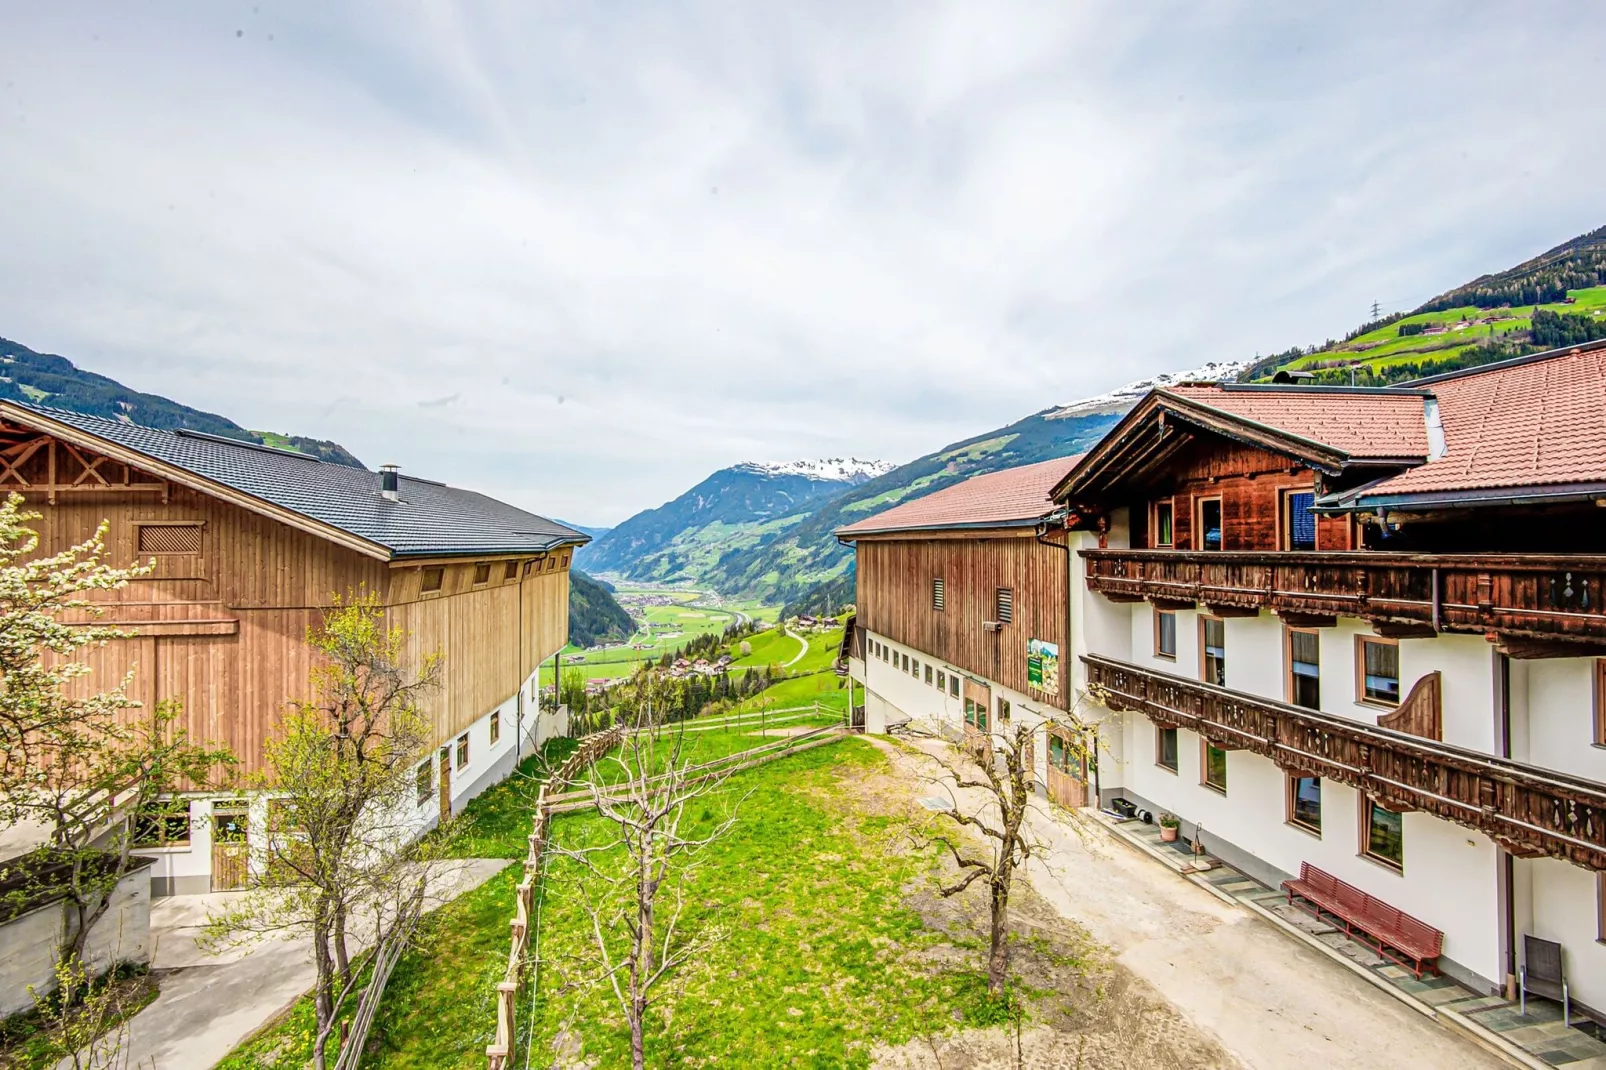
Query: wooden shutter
{"points": [[169, 539]]}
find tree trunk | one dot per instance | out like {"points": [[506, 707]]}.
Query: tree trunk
{"points": [[342, 959], [998, 956], [323, 995]]}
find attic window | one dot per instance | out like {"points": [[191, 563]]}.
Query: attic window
{"points": [[170, 538], [1006, 605], [510, 570], [482, 574], [936, 593], [434, 578]]}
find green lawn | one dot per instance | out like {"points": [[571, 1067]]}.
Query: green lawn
{"points": [[823, 955]]}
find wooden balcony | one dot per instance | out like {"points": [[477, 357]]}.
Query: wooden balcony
{"points": [[1525, 597], [1527, 810]]}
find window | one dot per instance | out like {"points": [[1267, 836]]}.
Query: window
{"points": [[915, 672], [510, 571], [1304, 668], [953, 685], [163, 824], [1384, 833], [1600, 701], [1163, 524], [1063, 757], [1003, 708], [1165, 748], [1214, 760], [1210, 524], [169, 538], [970, 712], [462, 750], [1165, 634], [434, 579], [981, 716], [905, 662], [1377, 662], [1005, 602], [936, 593], [1213, 651], [928, 674], [482, 574], [942, 680], [425, 782], [1305, 803], [496, 727], [1299, 523]]}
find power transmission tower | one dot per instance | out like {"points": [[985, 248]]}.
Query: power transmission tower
{"points": [[1377, 309]]}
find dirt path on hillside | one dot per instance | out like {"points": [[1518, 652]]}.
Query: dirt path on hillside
{"points": [[1188, 980]]}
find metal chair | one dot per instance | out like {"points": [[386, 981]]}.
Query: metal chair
{"points": [[1542, 974]]}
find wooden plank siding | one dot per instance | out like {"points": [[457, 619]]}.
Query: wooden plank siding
{"points": [[894, 600], [1250, 483], [223, 630]]}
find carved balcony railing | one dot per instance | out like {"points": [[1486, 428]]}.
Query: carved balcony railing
{"points": [[1525, 809], [1532, 596]]}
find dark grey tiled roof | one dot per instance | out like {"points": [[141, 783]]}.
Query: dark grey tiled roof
{"points": [[430, 519]]}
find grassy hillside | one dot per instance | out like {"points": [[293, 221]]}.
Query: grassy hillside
{"points": [[1555, 299], [46, 379]]}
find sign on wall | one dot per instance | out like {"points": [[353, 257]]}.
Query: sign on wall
{"points": [[1043, 666]]}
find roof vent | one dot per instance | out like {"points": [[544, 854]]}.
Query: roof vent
{"points": [[389, 482]]}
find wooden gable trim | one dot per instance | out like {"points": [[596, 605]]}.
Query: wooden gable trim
{"points": [[66, 433], [1422, 712]]}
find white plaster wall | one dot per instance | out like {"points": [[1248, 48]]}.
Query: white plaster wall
{"points": [[1564, 910], [1559, 696], [1251, 817], [29, 944], [908, 694]]}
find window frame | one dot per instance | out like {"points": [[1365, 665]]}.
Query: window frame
{"points": [[1285, 519], [1600, 707], [1198, 522], [1205, 747], [1289, 683], [1204, 656], [1369, 807], [496, 727], [1003, 709], [1170, 506], [482, 573], [1361, 697], [424, 781], [166, 811], [1176, 749], [929, 672], [510, 571], [460, 753], [1291, 803], [1159, 651], [953, 685], [438, 573]]}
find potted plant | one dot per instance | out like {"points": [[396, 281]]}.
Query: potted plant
{"points": [[1169, 825]]}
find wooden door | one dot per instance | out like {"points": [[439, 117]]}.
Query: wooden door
{"points": [[231, 850], [978, 716], [446, 784], [1067, 770]]}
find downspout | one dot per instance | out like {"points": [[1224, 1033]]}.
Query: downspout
{"points": [[1507, 871]]}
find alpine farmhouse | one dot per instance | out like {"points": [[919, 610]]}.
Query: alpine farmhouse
{"points": [[251, 545], [1354, 639]]}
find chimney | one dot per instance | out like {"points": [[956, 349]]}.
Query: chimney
{"points": [[389, 477]]}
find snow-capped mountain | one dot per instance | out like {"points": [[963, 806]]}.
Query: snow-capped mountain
{"points": [[844, 469], [1125, 397]]}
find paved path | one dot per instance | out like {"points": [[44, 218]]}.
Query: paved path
{"points": [[801, 653], [1270, 1001], [209, 1004]]}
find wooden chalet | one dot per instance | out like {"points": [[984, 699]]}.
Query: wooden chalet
{"points": [[251, 545]]}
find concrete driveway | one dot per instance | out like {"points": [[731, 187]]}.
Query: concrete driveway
{"points": [[210, 1003]]}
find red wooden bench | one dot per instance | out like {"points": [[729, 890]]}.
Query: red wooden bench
{"points": [[1395, 934]]}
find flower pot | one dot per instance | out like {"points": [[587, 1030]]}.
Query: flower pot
{"points": [[1168, 834]]}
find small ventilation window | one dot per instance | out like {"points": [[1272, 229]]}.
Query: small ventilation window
{"points": [[510, 571], [482, 574], [1006, 605], [434, 579], [169, 539], [936, 593]]}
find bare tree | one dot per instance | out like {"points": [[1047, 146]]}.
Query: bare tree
{"points": [[998, 761], [343, 845], [633, 885]]}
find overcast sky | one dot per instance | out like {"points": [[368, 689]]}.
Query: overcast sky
{"points": [[579, 256]]}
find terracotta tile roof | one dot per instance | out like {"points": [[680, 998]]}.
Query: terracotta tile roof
{"points": [[1528, 423], [1365, 424], [1008, 497]]}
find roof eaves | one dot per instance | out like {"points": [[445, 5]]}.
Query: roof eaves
{"points": [[849, 533], [1351, 501], [186, 478]]}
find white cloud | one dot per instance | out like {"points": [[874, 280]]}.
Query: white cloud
{"points": [[578, 259]]}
